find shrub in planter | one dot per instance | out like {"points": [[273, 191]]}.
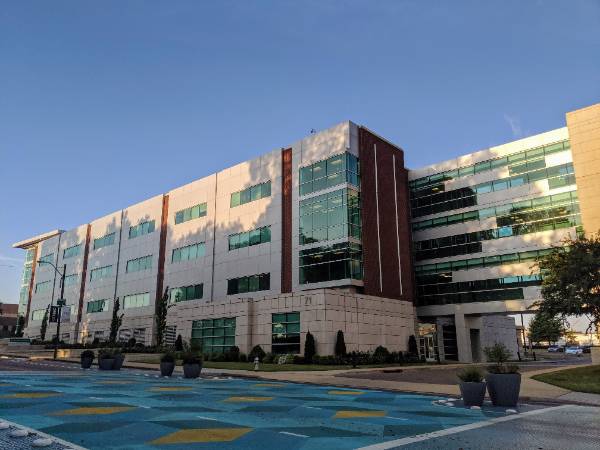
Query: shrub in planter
{"points": [[167, 364], [106, 360], [472, 386], [192, 364], [503, 380], [119, 359], [87, 358]]}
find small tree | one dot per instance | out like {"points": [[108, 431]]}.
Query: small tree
{"points": [[340, 344], [20, 326], [309, 348], [256, 351], [545, 328], [44, 325], [571, 285], [412, 345], [179, 343], [162, 308], [116, 322]]}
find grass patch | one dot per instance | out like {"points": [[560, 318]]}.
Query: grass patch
{"points": [[579, 379]]}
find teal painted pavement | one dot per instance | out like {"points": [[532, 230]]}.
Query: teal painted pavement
{"points": [[135, 410]]}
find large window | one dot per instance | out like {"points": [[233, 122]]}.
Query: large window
{"points": [[501, 211], [338, 169], [476, 263], [330, 216], [491, 164], [38, 314], [331, 262], [248, 238], [214, 335], [251, 194], [188, 252], [72, 251], [137, 264], [100, 272], [433, 203], [70, 280], [286, 333], [141, 229], [95, 306], [43, 286], [104, 241], [136, 300], [49, 258], [193, 212], [252, 283], [461, 244], [185, 293]]}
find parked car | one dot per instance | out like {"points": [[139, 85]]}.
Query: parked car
{"points": [[578, 351], [554, 349], [587, 349]]}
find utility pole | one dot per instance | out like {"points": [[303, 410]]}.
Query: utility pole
{"points": [[60, 302]]}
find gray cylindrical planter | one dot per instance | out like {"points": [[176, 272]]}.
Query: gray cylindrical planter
{"points": [[166, 368], [191, 370], [504, 388], [472, 393], [119, 359], [86, 363], [106, 363]]}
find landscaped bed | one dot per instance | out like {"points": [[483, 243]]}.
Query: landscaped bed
{"points": [[579, 379]]}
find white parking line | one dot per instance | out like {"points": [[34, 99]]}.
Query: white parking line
{"points": [[206, 418], [293, 434], [472, 426]]}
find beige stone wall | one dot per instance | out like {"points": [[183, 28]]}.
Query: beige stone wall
{"points": [[366, 321], [584, 132]]}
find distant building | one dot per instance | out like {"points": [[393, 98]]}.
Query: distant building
{"points": [[8, 319], [330, 233]]}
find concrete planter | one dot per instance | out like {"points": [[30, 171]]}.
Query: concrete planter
{"points": [[191, 370], [119, 359], [472, 393], [86, 363], [166, 368], [504, 388], [106, 363], [595, 355]]}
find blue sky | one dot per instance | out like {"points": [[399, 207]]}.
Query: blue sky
{"points": [[103, 104]]}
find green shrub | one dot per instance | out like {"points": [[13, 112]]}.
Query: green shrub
{"points": [[471, 375], [233, 354], [106, 354], [179, 343], [168, 357], [381, 355], [498, 354], [309, 348], [268, 358], [87, 354], [256, 351], [243, 357], [340, 344], [190, 357]]}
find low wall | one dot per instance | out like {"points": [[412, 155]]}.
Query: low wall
{"points": [[595, 355]]}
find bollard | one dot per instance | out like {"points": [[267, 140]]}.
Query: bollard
{"points": [[256, 363]]}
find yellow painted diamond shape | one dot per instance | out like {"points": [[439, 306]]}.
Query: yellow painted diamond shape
{"points": [[170, 388], [345, 392], [247, 399], [94, 410], [115, 382], [275, 385], [188, 436], [355, 414], [32, 395]]}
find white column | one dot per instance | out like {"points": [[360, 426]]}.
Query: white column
{"points": [[463, 338]]}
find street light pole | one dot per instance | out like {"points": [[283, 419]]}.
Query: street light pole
{"points": [[60, 303]]}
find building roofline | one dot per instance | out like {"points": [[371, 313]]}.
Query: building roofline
{"points": [[24, 244], [381, 137]]}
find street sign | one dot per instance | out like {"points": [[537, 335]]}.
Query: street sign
{"points": [[53, 314], [65, 315], [61, 302]]}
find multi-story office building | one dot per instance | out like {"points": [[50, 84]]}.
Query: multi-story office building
{"points": [[318, 236]]}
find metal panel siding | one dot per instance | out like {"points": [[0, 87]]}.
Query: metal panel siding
{"points": [[83, 277], [380, 233], [31, 283], [161, 248], [286, 221]]}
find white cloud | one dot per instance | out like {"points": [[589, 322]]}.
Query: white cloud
{"points": [[515, 125]]}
